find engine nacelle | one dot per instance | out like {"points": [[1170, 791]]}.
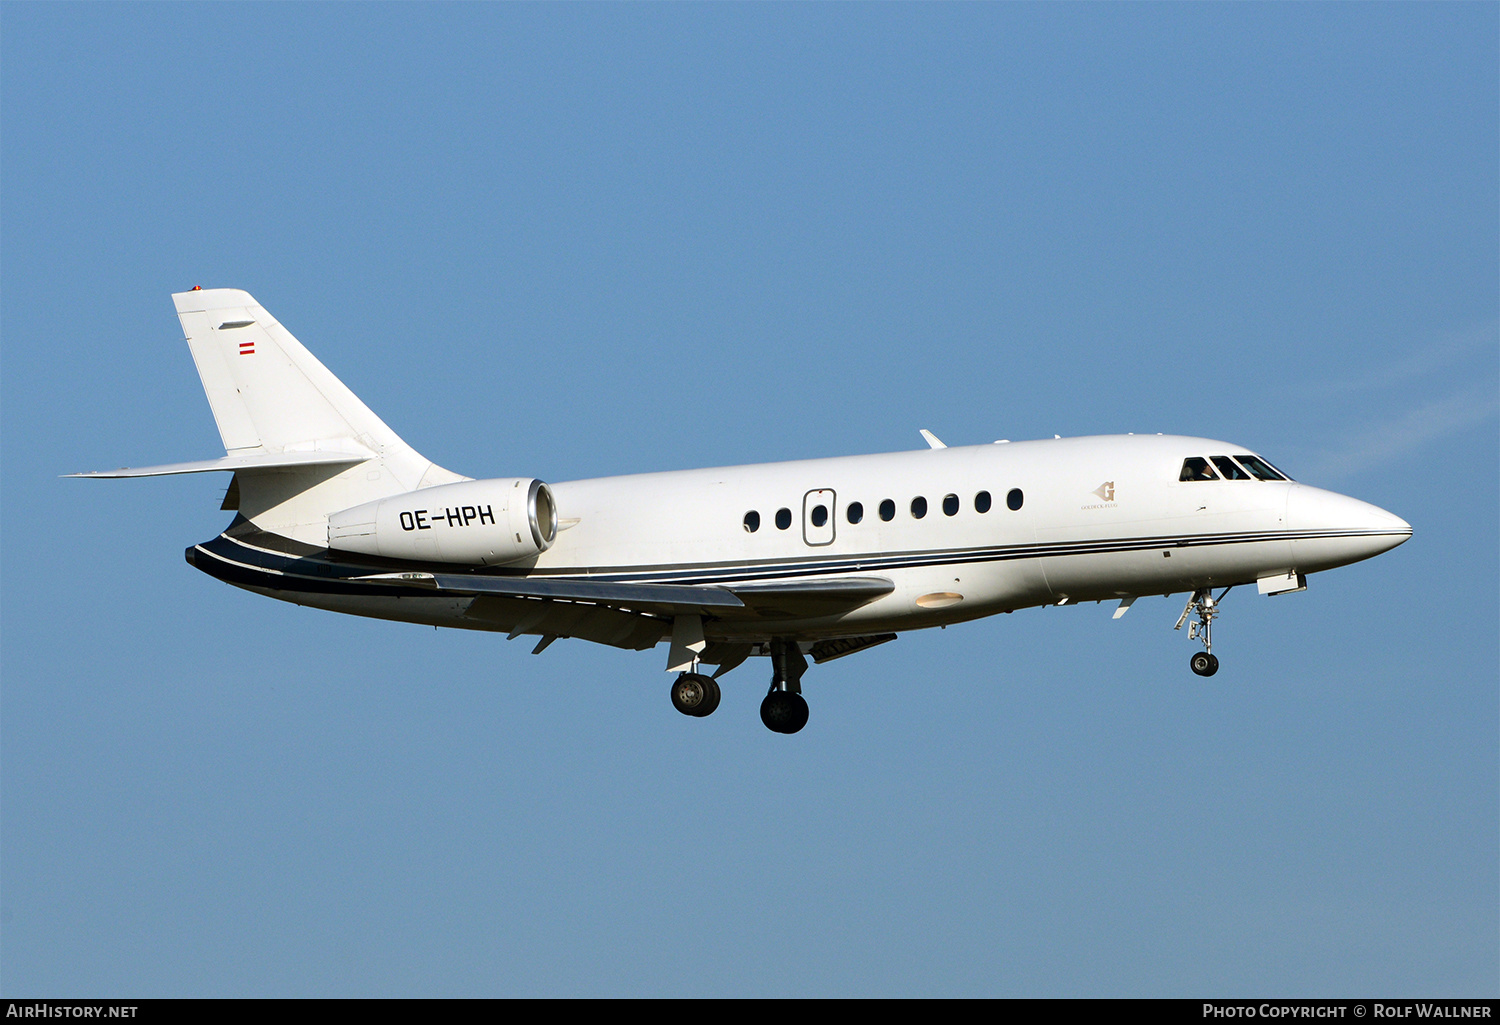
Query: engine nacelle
{"points": [[474, 522]]}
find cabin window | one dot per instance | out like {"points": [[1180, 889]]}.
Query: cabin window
{"points": [[819, 516], [752, 521], [1230, 469], [1194, 468], [783, 519], [982, 502], [1261, 468], [1015, 499], [887, 510], [855, 512], [918, 507], [950, 505]]}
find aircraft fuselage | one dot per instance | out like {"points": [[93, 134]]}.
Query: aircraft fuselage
{"points": [[1097, 518]]}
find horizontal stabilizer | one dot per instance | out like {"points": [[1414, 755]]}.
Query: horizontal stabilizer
{"points": [[254, 461]]}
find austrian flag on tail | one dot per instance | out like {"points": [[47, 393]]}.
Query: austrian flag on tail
{"points": [[247, 347]]}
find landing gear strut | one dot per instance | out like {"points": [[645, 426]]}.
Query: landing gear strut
{"points": [[784, 710], [1206, 606], [695, 694]]}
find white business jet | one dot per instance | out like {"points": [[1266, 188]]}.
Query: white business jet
{"points": [[820, 558]]}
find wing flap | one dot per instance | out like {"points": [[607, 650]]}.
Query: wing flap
{"points": [[600, 624]]}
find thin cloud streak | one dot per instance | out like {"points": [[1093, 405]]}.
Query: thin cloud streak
{"points": [[1417, 429], [1430, 359]]}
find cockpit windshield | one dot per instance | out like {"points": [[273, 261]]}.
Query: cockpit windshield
{"points": [[1198, 468], [1230, 469], [1261, 468], [1194, 468]]}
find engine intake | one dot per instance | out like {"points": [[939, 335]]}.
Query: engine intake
{"points": [[473, 522]]}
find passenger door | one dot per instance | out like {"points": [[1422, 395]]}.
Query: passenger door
{"points": [[817, 517]]}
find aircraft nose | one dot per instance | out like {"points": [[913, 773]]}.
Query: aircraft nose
{"points": [[1330, 529]]}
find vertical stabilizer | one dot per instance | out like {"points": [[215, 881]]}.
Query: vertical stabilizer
{"points": [[271, 396]]}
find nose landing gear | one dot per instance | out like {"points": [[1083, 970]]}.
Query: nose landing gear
{"points": [[1206, 606]]}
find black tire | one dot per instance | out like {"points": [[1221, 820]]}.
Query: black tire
{"points": [[799, 705], [1204, 664], [690, 695], [783, 712], [775, 711], [712, 701]]}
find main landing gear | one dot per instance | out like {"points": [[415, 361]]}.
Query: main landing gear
{"points": [[695, 694], [1206, 606], [784, 710]]}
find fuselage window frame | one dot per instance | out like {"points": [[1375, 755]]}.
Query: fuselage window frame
{"points": [[752, 521], [783, 519], [888, 510], [1015, 499], [982, 502], [918, 507], [854, 512]]}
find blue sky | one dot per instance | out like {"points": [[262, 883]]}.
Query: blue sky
{"points": [[573, 240]]}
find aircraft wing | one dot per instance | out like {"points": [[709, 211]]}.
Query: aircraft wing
{"points": [[807, 598], [771, 599], [634, 615], [654, 599]]}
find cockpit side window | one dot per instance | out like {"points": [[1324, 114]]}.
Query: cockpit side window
{"points": [[1195, 468], [1262, 469], [1229, 469]]}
